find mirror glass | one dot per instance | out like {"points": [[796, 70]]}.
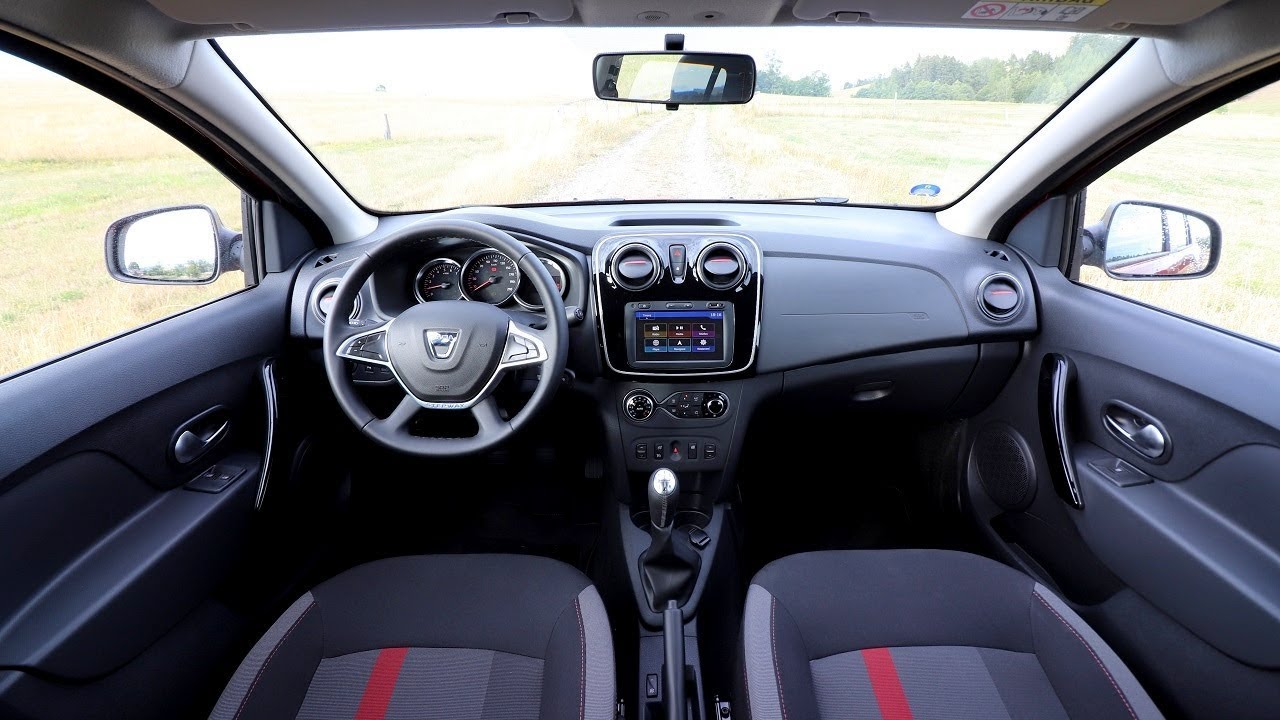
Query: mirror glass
{"points": [[1154, 241], [676, 78], [178, 246]]}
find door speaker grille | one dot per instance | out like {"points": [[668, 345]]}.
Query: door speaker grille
{"points": [[1004, 466]]}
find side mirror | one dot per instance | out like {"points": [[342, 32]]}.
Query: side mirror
{"points": [[1154, 241], [676, 78], [171, 246]]}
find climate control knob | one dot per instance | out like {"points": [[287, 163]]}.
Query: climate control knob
{"points": [[639, 405]]}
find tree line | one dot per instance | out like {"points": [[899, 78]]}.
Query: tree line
{"points": [[1035, 78]]}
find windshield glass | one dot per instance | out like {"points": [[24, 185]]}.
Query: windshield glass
{"points": [[425, 119]]}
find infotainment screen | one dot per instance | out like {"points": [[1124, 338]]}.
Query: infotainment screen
{"points": [[689, 334]]}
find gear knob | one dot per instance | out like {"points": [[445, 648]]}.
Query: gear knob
{"points": [[664, 496]]}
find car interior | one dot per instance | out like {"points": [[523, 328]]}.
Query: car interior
{"points": [[624, 456]]}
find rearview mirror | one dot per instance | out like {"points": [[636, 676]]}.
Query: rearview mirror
{"points": [[1154, 241], [171, 246], [676, 78]]}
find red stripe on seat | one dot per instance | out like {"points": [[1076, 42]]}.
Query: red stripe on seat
{"points": [[886, 685], [382, 682]]}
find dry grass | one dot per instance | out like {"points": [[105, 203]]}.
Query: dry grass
{"points": [[70, 164], [60, 187], [1226, 164]]}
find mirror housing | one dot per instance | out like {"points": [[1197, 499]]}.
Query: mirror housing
{"points": [[183, 245], [675, 78], [1142, 240]]}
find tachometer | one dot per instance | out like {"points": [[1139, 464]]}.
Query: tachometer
{"points": [[489, 276], [439, 279], [528, 296]]}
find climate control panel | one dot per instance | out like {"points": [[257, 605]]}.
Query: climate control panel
{"points": [[640, 405]]}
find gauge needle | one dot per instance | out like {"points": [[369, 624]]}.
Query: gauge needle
{"points": [[486, 283], [437, 287]]}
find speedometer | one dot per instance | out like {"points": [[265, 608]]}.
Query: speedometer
{"points": [[490, 277]]}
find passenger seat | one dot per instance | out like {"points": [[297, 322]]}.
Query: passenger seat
{"points": [[898, 634]]}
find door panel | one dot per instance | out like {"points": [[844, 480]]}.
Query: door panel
{"points": [[109, 557], [1185, 542]]}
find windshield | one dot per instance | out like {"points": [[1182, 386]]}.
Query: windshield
{"points": [[426, 119]]}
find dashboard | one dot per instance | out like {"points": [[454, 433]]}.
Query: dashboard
{"points": [[684, 318], [710, 290]]}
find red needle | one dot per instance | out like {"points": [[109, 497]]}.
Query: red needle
{"points": [[485, 284], [437, 287]]}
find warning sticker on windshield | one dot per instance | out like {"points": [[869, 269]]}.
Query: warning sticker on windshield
{"points": [[1065, 11]]}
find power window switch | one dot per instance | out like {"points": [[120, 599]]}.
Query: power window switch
{"points": [[651, 685], [709, 451], [642, 451]]}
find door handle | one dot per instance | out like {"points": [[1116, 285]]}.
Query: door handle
{"points": [[1136, 430], [1056, 374], [200, 434]]}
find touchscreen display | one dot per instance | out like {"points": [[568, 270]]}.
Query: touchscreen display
{"points": [[679, 335]]}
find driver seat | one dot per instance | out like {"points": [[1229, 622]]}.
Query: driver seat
{"points": [[449, 636]]}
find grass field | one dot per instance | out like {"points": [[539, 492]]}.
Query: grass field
{"points": [[70, 164]]}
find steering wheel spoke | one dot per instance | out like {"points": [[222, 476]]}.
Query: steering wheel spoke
{"points": [[525, 346], [366, 346], [488, 417], [398, 421]]}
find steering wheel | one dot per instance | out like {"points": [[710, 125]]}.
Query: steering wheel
{"points": [[449, 354]]}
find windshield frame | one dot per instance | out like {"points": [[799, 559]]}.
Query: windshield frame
{"points": [[801, 202]]}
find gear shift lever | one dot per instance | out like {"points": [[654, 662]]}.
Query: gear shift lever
{"points": [[664, 497], [669, 567]]}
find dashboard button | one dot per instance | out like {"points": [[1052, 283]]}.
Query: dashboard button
{"points": [[709, 451], [657, 451], [679, 306]]}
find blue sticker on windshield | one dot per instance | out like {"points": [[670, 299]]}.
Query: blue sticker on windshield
{"points": [[926, 190]]}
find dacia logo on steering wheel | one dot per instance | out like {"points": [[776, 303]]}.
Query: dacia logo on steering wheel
{"points": [[442, 342]]}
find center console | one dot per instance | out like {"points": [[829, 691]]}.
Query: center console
{"points": [[679, 323]]}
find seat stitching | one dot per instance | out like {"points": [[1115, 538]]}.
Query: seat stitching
{"points": [[258, 676], [1115, 686], [581, 655], [773, 641]]}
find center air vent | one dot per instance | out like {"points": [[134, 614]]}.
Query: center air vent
{"points": [[1000, 296], [721, 266], [635, 267]]}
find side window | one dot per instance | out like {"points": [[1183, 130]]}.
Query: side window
{"points": [[72, 163], [1225, 169]]}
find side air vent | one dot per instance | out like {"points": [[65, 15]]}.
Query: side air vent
{"points": [[1000, 296], [326, 259], [322, 300], [635, 267], [721, 266]]}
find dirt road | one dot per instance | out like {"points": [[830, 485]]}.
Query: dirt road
{"points": [[670, 159]]}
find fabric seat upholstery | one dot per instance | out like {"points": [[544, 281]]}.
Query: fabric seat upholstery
{"points": [[466, 637], [899, 634]]}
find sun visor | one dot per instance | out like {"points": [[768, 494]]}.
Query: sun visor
{"points": [[287, 15], [1078, 15]]}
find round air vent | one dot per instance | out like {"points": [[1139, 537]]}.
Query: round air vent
{"points": [[721, 266], [635, 267], [1000, 296], [322, 300]]}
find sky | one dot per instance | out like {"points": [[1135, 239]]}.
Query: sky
{"points": [[542, 61]]}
